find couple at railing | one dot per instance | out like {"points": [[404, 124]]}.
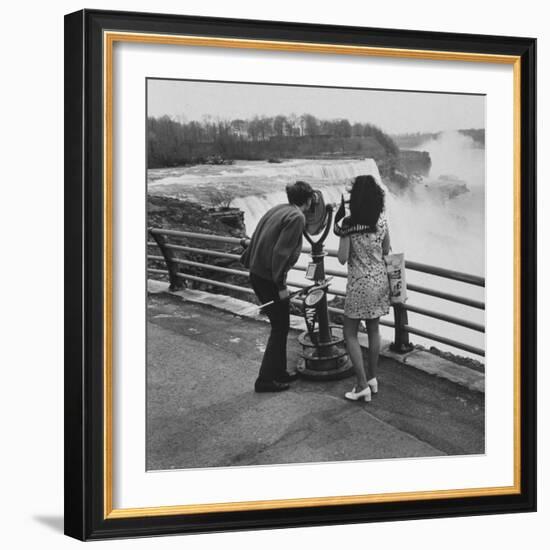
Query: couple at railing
{"points": [[275, 247]]}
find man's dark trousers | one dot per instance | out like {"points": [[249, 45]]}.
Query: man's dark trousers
{"points": [[274, 361]]}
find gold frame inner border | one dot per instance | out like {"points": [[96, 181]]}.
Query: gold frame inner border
{"points": [[109, 40]]}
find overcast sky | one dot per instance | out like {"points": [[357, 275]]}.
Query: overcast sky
{"points": [[394, 112]]}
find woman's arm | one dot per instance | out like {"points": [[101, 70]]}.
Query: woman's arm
{"points": [[386, 244], [343, 250]]}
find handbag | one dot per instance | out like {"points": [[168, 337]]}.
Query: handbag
{"points": [[395, 267]]}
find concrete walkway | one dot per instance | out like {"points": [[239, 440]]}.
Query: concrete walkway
{"points": [[202, 410]]}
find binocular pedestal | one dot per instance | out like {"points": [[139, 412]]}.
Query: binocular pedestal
{"points": [[324, 355]]}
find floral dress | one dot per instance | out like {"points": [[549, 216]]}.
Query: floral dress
{"points": [[367, 293]]}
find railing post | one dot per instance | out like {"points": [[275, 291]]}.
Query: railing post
{"points": [[175, 282], [401, 343]]}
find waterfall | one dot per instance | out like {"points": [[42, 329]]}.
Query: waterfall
{"points": [[330, 176], [447, 233], [262, 172]]}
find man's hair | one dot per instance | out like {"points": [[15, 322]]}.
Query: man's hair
{"points": [[298, 193]]}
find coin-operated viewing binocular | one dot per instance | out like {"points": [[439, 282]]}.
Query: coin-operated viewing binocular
{"points": [[317, 215], [318, 220], [324, 355]]}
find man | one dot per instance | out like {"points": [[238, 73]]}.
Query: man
{"points": [[274, 248]]}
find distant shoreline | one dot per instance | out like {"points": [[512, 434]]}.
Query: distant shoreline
{"points": [[414, 140]]}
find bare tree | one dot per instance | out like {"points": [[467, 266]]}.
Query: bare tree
{"points": [[220, 198]]}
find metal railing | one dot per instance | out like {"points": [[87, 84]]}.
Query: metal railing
{"points": [[162, 239]]}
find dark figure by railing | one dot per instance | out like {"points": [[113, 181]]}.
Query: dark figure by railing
{"points": [[274, 248]]}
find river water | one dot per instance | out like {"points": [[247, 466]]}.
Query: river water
{"points": [[438, 221]]}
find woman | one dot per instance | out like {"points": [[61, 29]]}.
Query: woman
{"points": [[364, 241]]}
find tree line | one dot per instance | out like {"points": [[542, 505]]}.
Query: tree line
{"points": [[173, 142]]}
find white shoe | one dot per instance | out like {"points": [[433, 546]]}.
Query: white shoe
{"points": [[363, 394], [373, 385]]}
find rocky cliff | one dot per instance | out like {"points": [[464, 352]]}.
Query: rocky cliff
{"points": [[182, 215]]}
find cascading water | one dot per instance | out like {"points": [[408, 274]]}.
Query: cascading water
{"points": [[331, 179]]}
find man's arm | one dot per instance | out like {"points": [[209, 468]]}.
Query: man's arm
{"points": [[283, 250]]}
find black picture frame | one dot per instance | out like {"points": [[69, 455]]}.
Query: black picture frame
{"points": [[85, 497]]}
